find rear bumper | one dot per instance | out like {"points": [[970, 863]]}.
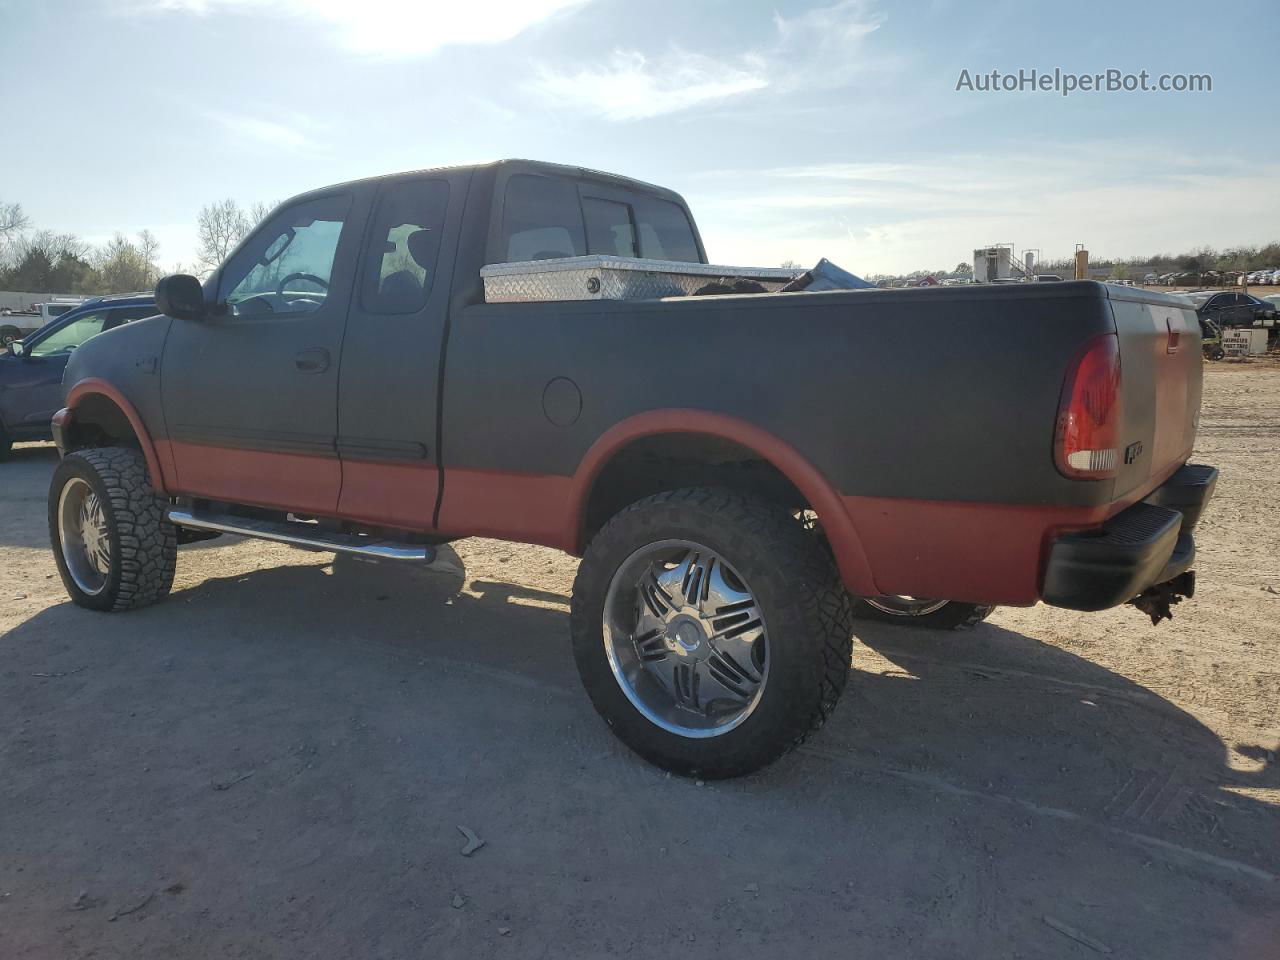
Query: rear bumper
{"points": [[1149, 543]]}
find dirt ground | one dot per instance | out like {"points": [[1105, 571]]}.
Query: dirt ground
{"points": [[276, 761]]}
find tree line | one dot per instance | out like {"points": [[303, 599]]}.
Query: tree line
{"points": [[45, 261]]}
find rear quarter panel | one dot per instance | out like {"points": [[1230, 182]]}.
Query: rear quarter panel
{"points": [[902, 400]]}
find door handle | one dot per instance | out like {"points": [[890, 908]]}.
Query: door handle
{"points": [[315, 360]]}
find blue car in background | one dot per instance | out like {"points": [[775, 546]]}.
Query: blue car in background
{"points": [[31, 369]]}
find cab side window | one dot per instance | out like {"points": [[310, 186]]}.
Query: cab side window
{"points": [[67, 338], [287, 265], [404, 241]]}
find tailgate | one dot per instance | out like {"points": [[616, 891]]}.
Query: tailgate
{"points": [[1160, 374]]}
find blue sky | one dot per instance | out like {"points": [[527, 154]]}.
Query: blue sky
{"points": [[795, 130]]}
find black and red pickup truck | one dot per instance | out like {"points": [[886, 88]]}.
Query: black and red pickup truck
{"points": [[741, 475]]}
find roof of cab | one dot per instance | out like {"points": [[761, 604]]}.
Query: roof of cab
{"points": [[525, 166]]}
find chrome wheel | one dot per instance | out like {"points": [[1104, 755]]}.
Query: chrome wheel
{"points": [[83, 536], [901, 606], [685, 639]]}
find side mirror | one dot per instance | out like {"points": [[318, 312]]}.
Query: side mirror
{"points": [[181, 297], [14, 347]]}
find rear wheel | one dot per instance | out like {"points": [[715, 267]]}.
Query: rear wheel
{"points": [[710, 630], [919, 612], [112, 544], [8, 334]]}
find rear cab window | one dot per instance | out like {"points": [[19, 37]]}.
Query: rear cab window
{"points": [[548, 217], [541, 219], [610, 228]]}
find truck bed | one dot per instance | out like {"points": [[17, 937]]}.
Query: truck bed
{"points": [[930, 412]]}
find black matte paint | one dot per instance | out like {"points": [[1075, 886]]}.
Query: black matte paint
{"points": [[947, 394]]}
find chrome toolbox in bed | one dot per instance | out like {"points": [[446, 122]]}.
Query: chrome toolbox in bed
{"points": [[613, 278]]}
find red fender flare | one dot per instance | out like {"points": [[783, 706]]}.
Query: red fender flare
{"points": [[836, 523], [93, 385]]}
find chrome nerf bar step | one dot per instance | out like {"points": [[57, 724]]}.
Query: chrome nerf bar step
{"points": [[302, 535]]}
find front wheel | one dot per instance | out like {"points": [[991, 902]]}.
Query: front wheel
{"points": [[113, 546], [710, 630], [918, 612]]}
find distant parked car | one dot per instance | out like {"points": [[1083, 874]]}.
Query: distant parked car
{"points": [[1234, 309], [1047, 277], [31, 369]]}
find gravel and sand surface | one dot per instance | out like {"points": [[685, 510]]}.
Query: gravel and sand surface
{"points": [[277, 761]]}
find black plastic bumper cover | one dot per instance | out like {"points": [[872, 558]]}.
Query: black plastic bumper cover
{"points": [[58, 429], [1187, 491], [1146, 544]]}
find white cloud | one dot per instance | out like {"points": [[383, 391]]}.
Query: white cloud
{"points": [[630, 86], [817, 48], [388, 28], [265, 132]]}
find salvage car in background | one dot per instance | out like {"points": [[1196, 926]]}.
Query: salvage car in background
{"points": [[1234, 309], [31, 369]]}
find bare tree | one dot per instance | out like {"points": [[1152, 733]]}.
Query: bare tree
{"points": [[149, 250], [219, 228], [12, 222], [54, 247], [258, 212], [125, 266], [12, 219]]}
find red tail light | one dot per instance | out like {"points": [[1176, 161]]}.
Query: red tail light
{"points": [[1087, 443]]}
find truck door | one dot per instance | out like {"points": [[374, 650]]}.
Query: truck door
{"points": [[387, 387], [250, 394]]}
